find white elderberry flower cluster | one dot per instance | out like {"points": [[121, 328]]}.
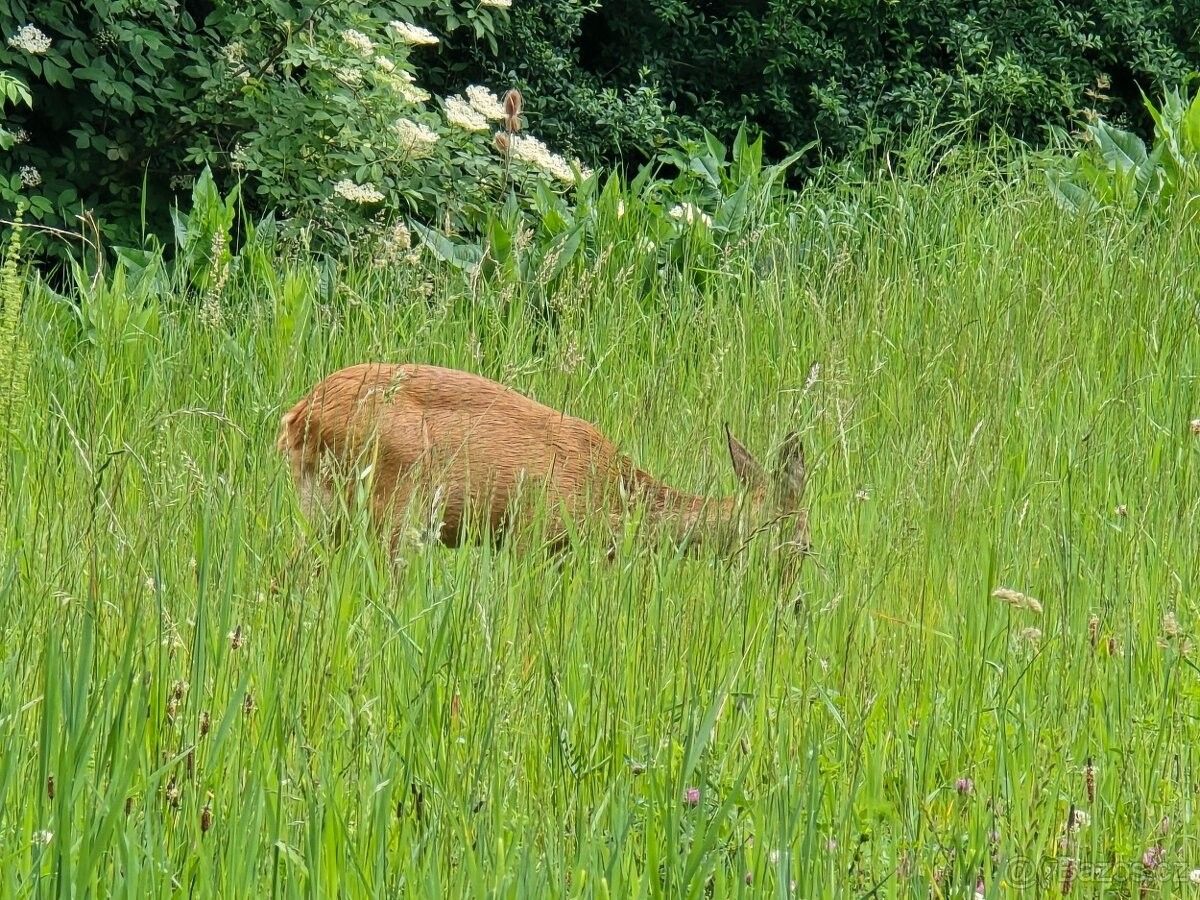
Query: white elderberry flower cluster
{"points": [[485, 102], [462, 114], [416, 139], [413, 35], [357, 193], [30, 39]]}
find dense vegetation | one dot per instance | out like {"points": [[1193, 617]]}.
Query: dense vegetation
{"points": [[996, 394], [985, 680], [345, 119]]}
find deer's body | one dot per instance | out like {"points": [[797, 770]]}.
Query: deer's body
{"points": [[491, 457]]}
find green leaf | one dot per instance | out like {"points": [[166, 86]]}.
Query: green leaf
{"points": [[1069, 195], [1122, 150], [1189, 131]]}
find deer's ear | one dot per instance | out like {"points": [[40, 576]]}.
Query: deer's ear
{"points": [[792, 474], [745, 466]]}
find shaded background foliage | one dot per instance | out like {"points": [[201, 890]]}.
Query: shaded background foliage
{"points": [[606, 78]]}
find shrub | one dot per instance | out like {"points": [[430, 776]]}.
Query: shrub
{"points": [[316, 106], [1117, 169]]}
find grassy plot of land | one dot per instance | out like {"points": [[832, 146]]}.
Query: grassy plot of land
{"points": [[1002, 398]]}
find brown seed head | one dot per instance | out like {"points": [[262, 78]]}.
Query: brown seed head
{"points": [[206, 816], [500, 142], [513, 102], [205, 723], [50, 786]]}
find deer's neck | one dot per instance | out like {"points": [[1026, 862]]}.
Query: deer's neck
{"points": [[693, 520]]}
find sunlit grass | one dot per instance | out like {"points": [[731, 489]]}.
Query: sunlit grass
{"points": [[994, 379]]}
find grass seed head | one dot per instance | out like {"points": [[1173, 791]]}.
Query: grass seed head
{"points": [[1018, 600]]}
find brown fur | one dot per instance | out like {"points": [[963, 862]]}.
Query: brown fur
{"points": [[423, 431]]}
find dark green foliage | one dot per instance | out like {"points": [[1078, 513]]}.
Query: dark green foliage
{"points": [[846, 72]]}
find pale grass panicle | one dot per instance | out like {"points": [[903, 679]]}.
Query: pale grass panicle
{"points": [[1018, 600]]}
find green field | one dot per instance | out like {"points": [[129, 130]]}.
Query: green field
{"points": [[993, 394]]}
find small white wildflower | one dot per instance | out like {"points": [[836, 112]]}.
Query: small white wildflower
{"points": [[620, 209], [234, 51], [20, 136], [485, 102], [151, 585], [1080, 819], [43, 837], [348, 76], [1031, 635], [1195, 426], [497, 4], [30, 176], [394, 245], [415, 138], [30, 39], [690, 213], [1017, 599], [1194, 876], [385, 64], [357, 193], [862, 495], [237, 162], [358, 42], [462, 114], [413, 35], [1170, 626]]}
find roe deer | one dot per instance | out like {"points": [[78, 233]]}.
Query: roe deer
{"points": [[422, 430]]}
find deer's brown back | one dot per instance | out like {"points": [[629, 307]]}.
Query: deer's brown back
{"points": [[425, 429]]}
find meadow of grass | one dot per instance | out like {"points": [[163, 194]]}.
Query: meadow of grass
{"points": [[993, 394]]}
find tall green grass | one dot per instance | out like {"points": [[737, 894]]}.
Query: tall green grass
{"points": [[1001, 398]]}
